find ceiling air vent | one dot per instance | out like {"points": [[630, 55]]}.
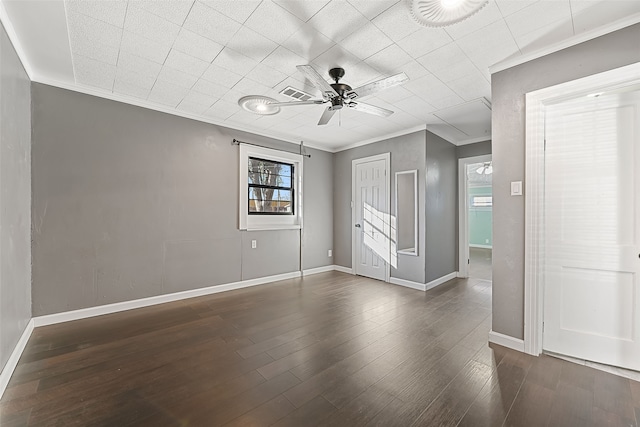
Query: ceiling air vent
{"points": [[296, 94]]}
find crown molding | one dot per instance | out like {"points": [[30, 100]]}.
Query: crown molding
{"points": [[74, 87], [571, 41], [473, 140], [381, 138], [15, 41]]}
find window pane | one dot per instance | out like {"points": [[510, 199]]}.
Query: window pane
{"points": [[265, 172], [481, 201], [268, 200]]}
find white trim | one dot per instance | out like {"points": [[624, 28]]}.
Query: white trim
{"points": [[382, 138], [15, 41], [387, 158], [571, 41], [174, 112], [506, 341], [11, 364], [463, 212], [439, 281], [342, 269], [534, 186], [408, 284], [472, 245], [473, 140], [414, 250], [317, 270]]}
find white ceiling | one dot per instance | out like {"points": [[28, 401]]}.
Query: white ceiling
{"points": [[198, 58]]}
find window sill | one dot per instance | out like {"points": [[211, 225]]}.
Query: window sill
{"points": [[271, 227]]}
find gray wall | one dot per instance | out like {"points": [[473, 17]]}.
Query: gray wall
{"points": [[508, 131], [441, 202], [130, 203], [15, 198], [407, 152], [473, 150]]}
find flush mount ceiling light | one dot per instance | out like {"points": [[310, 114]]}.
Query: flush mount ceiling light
{"points": [[259, 104], [440, 13]]}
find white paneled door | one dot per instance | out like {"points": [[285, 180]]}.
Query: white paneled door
{"points": [[592, 229], [371, 218]]}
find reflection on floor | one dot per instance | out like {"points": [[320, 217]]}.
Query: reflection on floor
{"points": [[480, 263]]}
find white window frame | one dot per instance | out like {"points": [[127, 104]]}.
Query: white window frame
{"points": [[269, 222]]}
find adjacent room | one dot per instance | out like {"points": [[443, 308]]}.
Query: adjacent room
{"points": [[320, 212]]}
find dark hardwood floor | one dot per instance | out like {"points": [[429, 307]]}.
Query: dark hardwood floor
{"points": [[330, 349]]}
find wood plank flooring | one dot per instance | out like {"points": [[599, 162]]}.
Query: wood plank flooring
{"points": [[327, 350]]}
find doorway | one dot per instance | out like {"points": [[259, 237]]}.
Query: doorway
{"points": [[582, 254], [475, 217]]}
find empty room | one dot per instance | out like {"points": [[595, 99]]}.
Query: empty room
{"points": [[320, 213]]}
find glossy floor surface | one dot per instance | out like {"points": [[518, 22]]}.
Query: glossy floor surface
{"points": [[330, 349]]}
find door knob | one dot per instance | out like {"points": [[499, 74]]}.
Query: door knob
{"points": [[358, 225]]}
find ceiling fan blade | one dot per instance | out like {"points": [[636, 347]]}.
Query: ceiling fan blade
{"points": [[292, 103], [326, 116], [316, 79], [377, 86], [371, 109]]}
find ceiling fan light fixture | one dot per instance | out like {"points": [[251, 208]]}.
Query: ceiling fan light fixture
{"points": [[441, 13], [258, 104]]}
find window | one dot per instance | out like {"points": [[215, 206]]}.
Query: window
{"points": [[270, 189], [481, 201]]}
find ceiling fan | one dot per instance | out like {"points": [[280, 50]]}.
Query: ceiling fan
{"points": [[340, 95]]}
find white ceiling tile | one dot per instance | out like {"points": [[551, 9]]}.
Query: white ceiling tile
{"points": [[135, 91], [273, 22], [308, 43], [337, 20], [221, 110], [282, 59], [297, 84], [334, 57], [177, 77], [394, 94], [372, 8], [396, 22], [423, 41], [141, 66], [487, 15], [592, 14], [93, 73], [360, 74], [266, 75], [366, 41], [388, 59], [211, 24], [541, 37], [538, 15], [186, 63], [166, 93], [197, 46], [132, 78], [508, 7], [109, 11], [234, 61], [221, 76], [196, 103], [471, 86], [94, 50], [238, 10], [145, 24], [304, 10], [206, 87], [252, 44], [412, 69], [414, 105], [448, 63], [174, 11], [244, 87], [144, 48], [432, 90], [489, 45], [93, 30]]}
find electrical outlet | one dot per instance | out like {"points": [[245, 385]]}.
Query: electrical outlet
{"points": [[329, 253], [254, 244]]}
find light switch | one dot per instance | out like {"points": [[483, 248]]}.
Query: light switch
{"points": [[516, 188], [254, 244]]}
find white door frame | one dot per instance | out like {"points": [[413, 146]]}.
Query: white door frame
{"points": [[463, 212], [534, 186], [387, 167]]}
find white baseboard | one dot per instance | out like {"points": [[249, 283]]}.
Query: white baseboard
{"points": [[408, 284], [343, 269], [317, 270], [11, 364], [506, 341], [439, 281]]}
